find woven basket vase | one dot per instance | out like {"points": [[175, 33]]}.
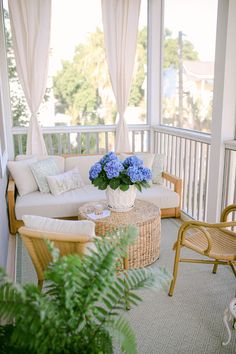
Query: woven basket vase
{"points": [[120, 201]]}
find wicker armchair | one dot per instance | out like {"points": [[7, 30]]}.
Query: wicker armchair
{"points": [[210, 240], [34, 241]]}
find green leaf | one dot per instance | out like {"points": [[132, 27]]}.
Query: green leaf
{"points": [[124, 187], [114, 183], [138, 186]]}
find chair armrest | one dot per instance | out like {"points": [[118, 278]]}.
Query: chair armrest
{"points": [[202, 227], [219, 225], [229, 209], [11, 190], [177, 182]]}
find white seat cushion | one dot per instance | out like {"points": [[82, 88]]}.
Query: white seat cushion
{"points": [[67, 204], [160, 196], [80, 227]]}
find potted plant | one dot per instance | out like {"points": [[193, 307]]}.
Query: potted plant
{"points": [[121, 179], [80, 311]]}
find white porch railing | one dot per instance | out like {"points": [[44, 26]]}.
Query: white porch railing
{"points": [[84, 139], [187, 157]]}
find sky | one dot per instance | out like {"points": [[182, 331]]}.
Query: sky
{"points": [[72, 20], [197, 20]]}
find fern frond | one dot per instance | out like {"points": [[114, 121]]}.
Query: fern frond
{"points": [[121, 332], [11, 300]]}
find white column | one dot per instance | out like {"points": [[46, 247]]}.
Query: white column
{"points": [[154, 78], [223, 120]]}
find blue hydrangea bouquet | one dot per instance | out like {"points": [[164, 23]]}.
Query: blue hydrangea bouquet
{"points": [[111, 171]]}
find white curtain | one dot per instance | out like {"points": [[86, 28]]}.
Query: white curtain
{"points": [[30, 24], [120, 23]]}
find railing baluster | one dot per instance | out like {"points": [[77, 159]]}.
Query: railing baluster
{"points": [[20, 146], [59, 151], [68, 143], [87, 143], [195, 178], [201, 181], [97, 143], [78, 138], [106, 141], [133, 141], [206, 181]]}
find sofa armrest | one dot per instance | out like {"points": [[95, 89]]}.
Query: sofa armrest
{"points": [[11, 190], [177, 182]]}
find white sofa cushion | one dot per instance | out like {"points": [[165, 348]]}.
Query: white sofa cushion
{"points": [[65, 182], [60, 160], [23, 176], [67, 204], [80, 227], [43, 168], [160, 196], [83, 163]]}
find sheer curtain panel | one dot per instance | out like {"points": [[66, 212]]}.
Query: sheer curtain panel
{"points": [[30, 24], [120, 23]]}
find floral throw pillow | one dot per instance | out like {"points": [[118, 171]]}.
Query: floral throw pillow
{"points": [[41, 170], [158, 168], [65, 181]]}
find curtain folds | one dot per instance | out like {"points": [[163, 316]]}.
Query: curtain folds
{"points": [[120, 23], [30, 23]]}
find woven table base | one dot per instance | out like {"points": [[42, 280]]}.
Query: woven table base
{"points": [[146, 217]]}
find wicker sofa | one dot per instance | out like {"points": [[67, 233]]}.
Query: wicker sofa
{"points": [[65, 206]]}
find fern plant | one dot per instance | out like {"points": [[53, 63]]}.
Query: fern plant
{"points": [[80, 311]]}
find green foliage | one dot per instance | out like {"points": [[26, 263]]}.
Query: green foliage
{"points": [[171, 47], [81, 309]]}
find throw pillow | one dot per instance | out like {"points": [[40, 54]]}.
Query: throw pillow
{"points": [[58, 159], [22, 175], [158, 168], [41, 223], [42, 169], [65, 181]]}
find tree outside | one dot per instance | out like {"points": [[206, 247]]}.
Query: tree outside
{"points": [[194, 93]]}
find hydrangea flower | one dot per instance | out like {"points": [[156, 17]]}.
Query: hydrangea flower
{"points": [[133, 161], [108, 157], [147, 173], [94, 171], [139, 174], [135, 174], [113, 168]]}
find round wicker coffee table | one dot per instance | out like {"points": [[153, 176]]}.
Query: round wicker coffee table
{"points": [[146, 217]]}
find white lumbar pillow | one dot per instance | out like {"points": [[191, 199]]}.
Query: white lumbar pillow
{"points": [[65, 182], [41, 223], [22, 175]]}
